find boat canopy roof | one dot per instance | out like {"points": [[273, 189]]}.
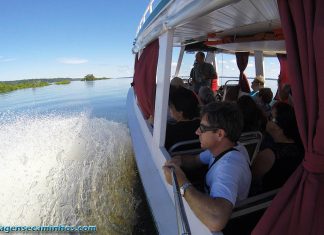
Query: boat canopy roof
{"points": [[230, 25]]}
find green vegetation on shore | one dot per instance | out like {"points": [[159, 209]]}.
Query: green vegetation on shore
{"points": [[64, 82], [91, 77], [7, 87]]}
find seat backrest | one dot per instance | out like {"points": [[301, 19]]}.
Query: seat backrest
{"points": [[185, 147], [231, 90], [251, 141], [247, 213]]}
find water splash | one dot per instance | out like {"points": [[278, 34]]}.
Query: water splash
{"points": [[71, 170]]}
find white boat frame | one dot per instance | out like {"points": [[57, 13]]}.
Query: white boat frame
{"points": [[148, 143]]}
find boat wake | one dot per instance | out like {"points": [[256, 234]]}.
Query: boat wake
{"points": [[67, 170]]}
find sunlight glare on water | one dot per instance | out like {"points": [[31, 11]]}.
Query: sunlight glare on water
{"points": [[67, 170]]}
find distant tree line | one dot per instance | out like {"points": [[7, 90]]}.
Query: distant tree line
{"points": [[91, 77], [7, 87]]}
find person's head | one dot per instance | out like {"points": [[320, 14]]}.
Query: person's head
{"points": [[283, 121], [183, 104], [254, 119], [257, 83], [220, 122], [284, 92], [176, 81], [205, 95], [266, 95], [200, 57]]}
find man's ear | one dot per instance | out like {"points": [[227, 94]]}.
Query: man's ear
{"points": [[220, 134]]}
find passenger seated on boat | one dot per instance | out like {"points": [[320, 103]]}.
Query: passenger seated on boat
{"points": [[274, 164], [228, 178], [257, 84], [177, 82], [205, 95], [184, 109], [202, 73], [253, 116], [263, 99], [285, 94]]}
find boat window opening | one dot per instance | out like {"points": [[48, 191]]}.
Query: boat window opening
{"points": [[227, 68]]}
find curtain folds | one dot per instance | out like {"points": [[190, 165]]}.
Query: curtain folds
{"points": [[299, 206], [283, 78], [144, 81], [242, 59]]}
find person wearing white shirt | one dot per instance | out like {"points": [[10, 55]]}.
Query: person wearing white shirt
{"points": [[228, 178]]}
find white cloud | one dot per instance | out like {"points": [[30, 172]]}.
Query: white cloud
{"points": [[72, 60], [233, 61], [174, 64], [250, 65]]}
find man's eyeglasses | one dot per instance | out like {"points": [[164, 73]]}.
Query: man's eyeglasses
{"points": [[203, 128]]}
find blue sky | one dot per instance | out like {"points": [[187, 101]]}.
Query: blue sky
{"points": [[67, 38], [72, 38]]}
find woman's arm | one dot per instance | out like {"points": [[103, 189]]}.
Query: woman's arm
{"points": [[263, 163]]}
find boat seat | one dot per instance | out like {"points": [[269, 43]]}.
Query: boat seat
{"points": [[247, 213], [251, 141], [231, 90], [187, 147]]}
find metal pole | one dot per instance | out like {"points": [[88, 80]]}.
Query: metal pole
{"points": [[183, 224]]}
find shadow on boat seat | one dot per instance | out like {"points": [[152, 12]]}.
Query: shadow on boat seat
{"points": [[247, 213]]}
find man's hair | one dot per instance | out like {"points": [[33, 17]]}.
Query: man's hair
{"points": [[226, 116], [184, 100], [200, 53], [286, 120], [266, 95]]}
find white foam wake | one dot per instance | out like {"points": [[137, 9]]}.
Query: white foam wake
{"points": [[67, 170]]}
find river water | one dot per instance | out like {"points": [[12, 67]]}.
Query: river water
{"points": [[66, 157]]}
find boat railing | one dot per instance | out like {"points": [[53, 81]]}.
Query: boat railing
{"points": [[182, 220], [226, 78], [151, 6]]}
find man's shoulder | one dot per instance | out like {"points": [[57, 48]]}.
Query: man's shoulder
{"points": [[208, 65], [234, 158]]}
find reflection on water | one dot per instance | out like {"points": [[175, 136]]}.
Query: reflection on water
{"points": [[67, 170], [89, 83]]}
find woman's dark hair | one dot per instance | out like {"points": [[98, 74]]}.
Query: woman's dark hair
{"points": [[226, 116], [266, 95], [184, 100], [254, 118], [286, 120]]}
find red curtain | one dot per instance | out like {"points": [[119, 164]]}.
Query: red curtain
{"points": [[144, 81], [283, 76], [242, 59], [299, 207]]}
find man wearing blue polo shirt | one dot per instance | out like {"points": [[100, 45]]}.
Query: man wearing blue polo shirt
{"points": [[228, 178]]}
